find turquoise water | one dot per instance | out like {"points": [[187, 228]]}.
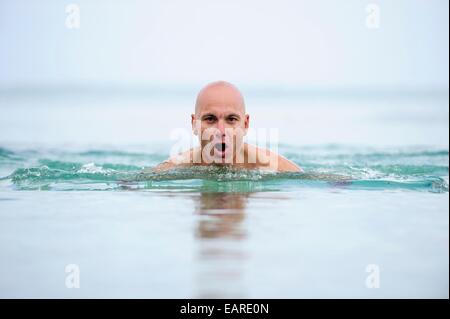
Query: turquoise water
{"points": [[76, 187], [329, 166]]}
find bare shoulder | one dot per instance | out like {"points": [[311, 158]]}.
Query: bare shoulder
{"points": [[275, 161], [181, 160], [285, 165]]}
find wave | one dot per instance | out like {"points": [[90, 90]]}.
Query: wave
{"points": [[335, 167]]}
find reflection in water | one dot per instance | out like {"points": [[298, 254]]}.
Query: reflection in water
{"points": [[220, 235]]}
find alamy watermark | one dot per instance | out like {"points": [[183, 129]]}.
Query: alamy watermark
{"points": [[225, 146], [373, 16], [73, 276], [73, 16], [373, 279]]}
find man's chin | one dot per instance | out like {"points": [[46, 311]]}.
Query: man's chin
{"points": [[220, 157], [222, 160]]}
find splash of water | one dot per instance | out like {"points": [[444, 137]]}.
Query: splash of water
{"points": [[413, 169]]}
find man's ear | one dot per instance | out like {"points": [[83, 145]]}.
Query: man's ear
{"points": [[193, 124], [246, 122]]}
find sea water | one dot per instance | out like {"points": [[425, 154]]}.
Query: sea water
{"points": [[367, 219]]}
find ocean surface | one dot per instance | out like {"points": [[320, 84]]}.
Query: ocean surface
{"points": [[76, 188]]}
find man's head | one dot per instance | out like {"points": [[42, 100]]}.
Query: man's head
{"points": [[220, 121]]}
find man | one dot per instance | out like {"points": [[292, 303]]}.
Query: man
{"points": [[221, 123]]}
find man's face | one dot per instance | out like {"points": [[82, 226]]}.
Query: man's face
{"points": [[220, 123]]}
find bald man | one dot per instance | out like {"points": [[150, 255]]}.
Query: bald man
{"points": [[220, 122]]}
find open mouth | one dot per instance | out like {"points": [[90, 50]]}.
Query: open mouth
{"points": [[220, 147]]}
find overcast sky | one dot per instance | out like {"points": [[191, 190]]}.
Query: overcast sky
{"points": [[323, 43]]}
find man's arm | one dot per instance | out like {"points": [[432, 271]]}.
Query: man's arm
{"points": [[164, 166]]}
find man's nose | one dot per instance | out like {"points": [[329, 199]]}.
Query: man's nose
{"points": [[221, 127]]}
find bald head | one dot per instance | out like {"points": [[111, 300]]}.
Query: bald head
{"points": [[220, 121], [220, 93]]}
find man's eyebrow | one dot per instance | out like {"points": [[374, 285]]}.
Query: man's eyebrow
{"points": [[207, 114], [228, 115]]}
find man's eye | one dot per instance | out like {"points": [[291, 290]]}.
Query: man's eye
{"points": [[232, 119], [209, 119]]}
